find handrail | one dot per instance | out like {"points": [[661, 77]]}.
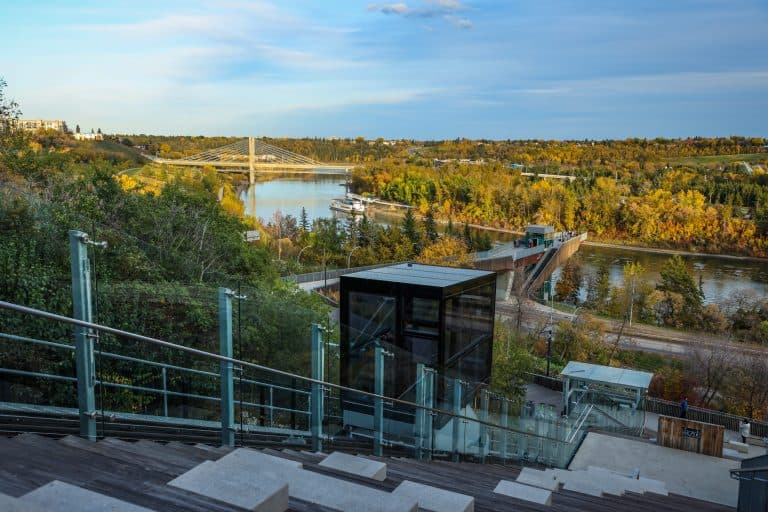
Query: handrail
{"points": [[168, 344]]}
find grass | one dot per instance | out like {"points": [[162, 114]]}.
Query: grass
{"points": [[694, 161]]}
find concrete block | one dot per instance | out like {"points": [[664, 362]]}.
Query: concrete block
{"points": [[356, 465], [11, 504], [738, 446], [524, 492], [590, 482], [268, 493], [538, 478], [323, 490], [58, 495], [434, 499], [583, 488]]}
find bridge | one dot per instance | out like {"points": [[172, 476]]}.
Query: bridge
{"points": [[252, 156]]}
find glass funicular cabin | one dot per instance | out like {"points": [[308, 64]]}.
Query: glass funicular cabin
{"points": [[441, 317]]}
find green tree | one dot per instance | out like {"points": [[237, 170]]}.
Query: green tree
{"points": [[599, 288], [676, 278], [430, 228], [304, 220], [411, 231]]}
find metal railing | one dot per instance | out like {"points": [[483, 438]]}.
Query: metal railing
{"points": [[729, 421]]}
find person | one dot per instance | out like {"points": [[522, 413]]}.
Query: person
{"points": [[744, 429], [684, 407]]}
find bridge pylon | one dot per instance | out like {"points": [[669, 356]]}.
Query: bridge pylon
{"points": [[251, 160]]}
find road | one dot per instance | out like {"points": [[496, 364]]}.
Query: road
{"points": [[647, 338]]}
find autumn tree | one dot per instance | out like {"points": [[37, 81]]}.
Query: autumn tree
{"points": [[677, 279], [569, 284]]}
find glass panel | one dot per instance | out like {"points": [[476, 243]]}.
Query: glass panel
{"points": [[422, 316], [468, 319]]}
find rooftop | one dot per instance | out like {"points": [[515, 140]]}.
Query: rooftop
{"points": [[422, 275], [607, 375]]}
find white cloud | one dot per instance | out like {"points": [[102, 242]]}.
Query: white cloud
{"points": [[429, 9]]}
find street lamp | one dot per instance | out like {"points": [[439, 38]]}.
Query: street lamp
{"points": [[549, 349], [349, 256], [298, 258]]}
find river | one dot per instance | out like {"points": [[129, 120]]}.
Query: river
{"points": [[720, 277]]}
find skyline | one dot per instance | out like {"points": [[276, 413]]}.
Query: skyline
{"points": [[420, 69]]}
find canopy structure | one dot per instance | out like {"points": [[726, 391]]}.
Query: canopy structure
{"points": [[617, 385]]}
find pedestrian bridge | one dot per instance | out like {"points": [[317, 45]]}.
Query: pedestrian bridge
{"points": [[252, 155]]}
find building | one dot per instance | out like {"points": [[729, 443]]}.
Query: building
{"points": [[45, 124], [441, 317], [88, 136]]}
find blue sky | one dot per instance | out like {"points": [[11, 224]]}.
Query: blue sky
{"points": [[423, 69]]}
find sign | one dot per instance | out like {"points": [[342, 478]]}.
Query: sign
{"points": [[693, 433]]}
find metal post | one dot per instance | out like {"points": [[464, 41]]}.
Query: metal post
{"points": [[271, 406], [165, 392], [425, 397], [483, 446], [227, 383], [318, 373], [378, 402], [549, 350], [504, 424], [457, 410], [84, 357], [567, 396]]}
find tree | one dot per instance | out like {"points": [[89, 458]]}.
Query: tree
{"points": [[98, 131], [410, 230], [569, 284], [430, 228], [677, 279], [467, 236], [710, 366], [77, 128], [447, 250], [304, 220], [599, 287]]}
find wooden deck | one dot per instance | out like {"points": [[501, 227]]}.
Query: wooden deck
{"points": [[137, 472]]}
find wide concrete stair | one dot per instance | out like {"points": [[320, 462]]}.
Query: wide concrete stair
{"points": [[69, 473]]}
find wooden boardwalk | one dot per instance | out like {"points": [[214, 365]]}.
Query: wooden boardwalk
{"points": [[137, 472]]}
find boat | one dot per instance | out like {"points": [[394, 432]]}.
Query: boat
{"points": [[348, 205]]}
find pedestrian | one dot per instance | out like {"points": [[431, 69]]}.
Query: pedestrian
{"points": [[744, 429], [684, 407]]}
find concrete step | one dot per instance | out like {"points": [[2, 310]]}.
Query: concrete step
{"points": [[538, 478], [637, 485], [58, 495], [315, 488], [524, 492], [434, 499], [11, 504], [269, 493], [355, 465]]}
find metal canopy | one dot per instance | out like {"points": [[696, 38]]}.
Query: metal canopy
{"points": [[422, 275], [607, 375]]}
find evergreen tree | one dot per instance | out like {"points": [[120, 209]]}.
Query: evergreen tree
{"points": [[467, 237], [410, 231], [98, 131], [430, 228], [304, 220], [449, 228], [599, 287], [77, 128]]}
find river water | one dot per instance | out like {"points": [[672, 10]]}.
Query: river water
{"points": [[720, 277]]}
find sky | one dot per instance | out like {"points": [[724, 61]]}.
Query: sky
{"points": [[417, 69]]}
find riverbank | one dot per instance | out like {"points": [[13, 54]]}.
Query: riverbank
{"points": [[672, 252]]}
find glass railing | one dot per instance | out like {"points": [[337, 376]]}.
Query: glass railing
{"points": [[163, 389]]}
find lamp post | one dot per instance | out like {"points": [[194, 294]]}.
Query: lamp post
{"points": [[298, 258], [549, 349], [349, 256]]}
